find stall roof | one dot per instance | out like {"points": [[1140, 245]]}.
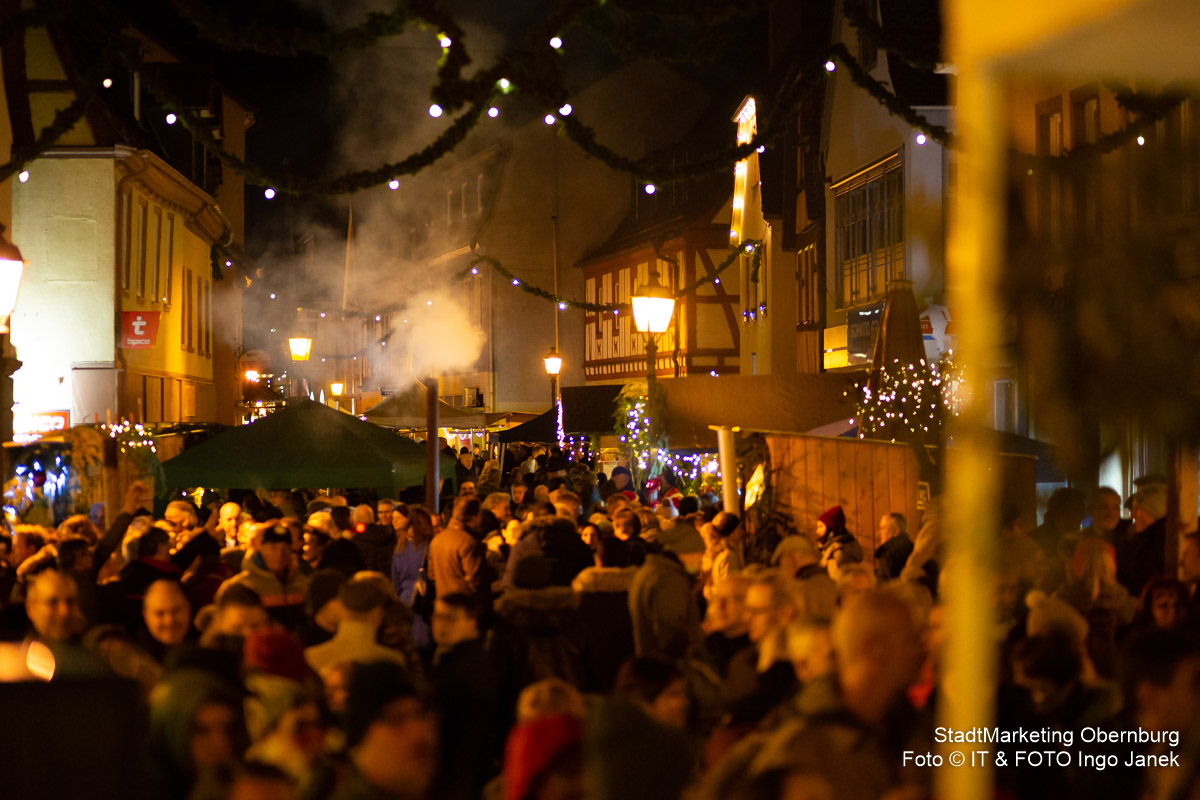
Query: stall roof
{"points": [[406, 409], [303, 445]]}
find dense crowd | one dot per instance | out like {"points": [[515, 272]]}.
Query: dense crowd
{"points": [[552, 632]]}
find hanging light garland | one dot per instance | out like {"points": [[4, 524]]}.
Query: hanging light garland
{"points": [[130, 435], [911, 400]]}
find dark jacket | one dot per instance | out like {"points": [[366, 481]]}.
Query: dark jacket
{"points": [[466, 695], [536, 635], [662, 605], [1142, 556], [558, 545], [457, 564], [841, 547], [376, 544], [891, 556], [605, 622]]}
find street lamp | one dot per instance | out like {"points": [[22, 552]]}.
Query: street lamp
{"points": [[653, 306], [336, 388], [300, 347], [12, 266], [553, 363]]}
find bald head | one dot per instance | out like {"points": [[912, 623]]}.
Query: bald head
{"points": [[167, 612], [877, 651], [52, 603]]}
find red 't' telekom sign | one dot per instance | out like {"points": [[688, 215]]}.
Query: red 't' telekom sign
{"points": [[139, 329]]}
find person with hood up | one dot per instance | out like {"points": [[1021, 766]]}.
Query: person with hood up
{"points": [[838, 546]]}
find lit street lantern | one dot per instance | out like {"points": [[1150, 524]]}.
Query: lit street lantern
{"points": [[300, 347], [653, 306], [553, 363], [336, 388]]}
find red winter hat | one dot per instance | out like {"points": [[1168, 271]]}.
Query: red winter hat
{"points": [[834, 519], [533, 747], [275, 651]]}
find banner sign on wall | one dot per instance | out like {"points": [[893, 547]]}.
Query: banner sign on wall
{"points": [[139, 329]]}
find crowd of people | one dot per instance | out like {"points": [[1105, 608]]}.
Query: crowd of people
{"points": [[553, 633]]}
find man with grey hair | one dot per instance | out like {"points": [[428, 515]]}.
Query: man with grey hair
{"points": [[1142, 555], [894, 546]]}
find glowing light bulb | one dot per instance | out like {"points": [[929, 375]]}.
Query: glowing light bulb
{"points": [[1141, 140], [393, 184], [444, 41], [435, 111], [549, 119], [565, 109], [322, 315], [171, 119], [428, 302], [562, 306], [378, 318], [229, 263], [921, 138], [272, 295], [556, 42], [106, 83], [650, 188], [493, 112], [23, 176], [762, 148], [504, 84], [830, 66], [516, 282], [474, 270], [269, 193]]}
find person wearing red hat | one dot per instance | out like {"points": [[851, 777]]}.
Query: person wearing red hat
{"points": [[838, 546], [544, 758]]}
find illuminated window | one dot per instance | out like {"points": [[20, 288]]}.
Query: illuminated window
{"points": [[870, 232]]}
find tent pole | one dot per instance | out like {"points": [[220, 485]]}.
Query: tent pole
{"points": [[432, 456]]}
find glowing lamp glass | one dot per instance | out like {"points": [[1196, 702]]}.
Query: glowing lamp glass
{"points": [[435, 111], [553, 363], [493, 112], [549, 119], [653, 308], [830, 66], [336, 388], [300, 347]]}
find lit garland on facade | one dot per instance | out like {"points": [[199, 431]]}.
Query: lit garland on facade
{"points": [[130, 435]]}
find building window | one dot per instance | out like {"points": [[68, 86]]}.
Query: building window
{"points": [[870, 232], [188, 312], [464, 198], [141, 249], [126, 255], [156, 257], [1005, 406], [806, 285], [449, 206], [475, 301], [1050, 206], [170, 270], [479, 193], [1085, 127]]}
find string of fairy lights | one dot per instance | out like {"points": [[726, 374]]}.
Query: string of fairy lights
{"points": [[535, 70], [909, 400]]}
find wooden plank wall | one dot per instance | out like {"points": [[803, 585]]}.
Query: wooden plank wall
{"points": [[867, 479]]}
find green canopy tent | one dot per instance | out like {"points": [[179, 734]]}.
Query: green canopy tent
{"points": [[305, 445]]}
